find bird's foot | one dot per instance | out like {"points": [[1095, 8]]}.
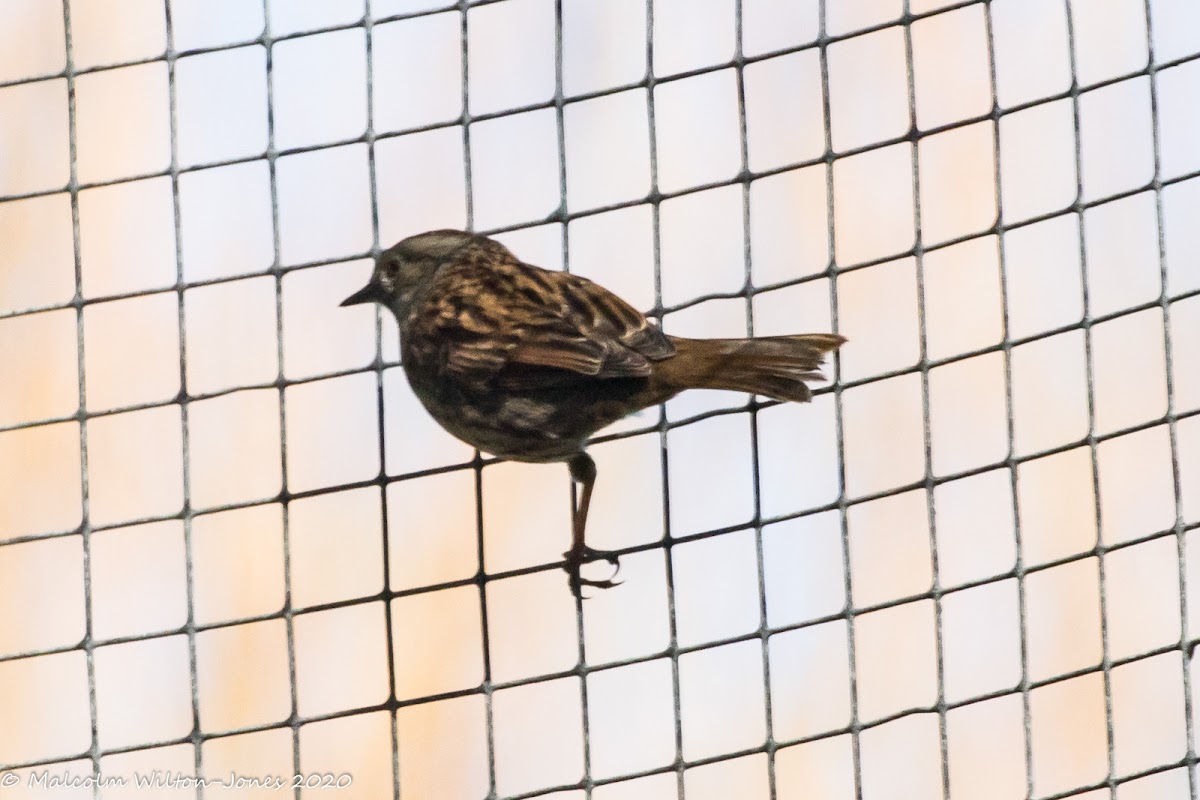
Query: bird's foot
{"points": [[579, 555]]}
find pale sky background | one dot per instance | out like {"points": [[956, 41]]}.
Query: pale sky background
{"points": [[914, 552]]}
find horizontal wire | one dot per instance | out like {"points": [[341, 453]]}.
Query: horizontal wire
{"points": [[282, 383], [832, 270], [287, 724], [582, 668], [654, 199], [386, 480], [913, 135]]}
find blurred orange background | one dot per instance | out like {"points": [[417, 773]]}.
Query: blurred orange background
{"points": [[968, 573]]}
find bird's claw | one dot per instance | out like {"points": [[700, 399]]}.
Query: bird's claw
{"points": [[576, 557]]}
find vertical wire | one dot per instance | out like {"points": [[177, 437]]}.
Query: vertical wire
{"points": [[655, 199], [582, 670], [477, 462], [1172, 432], [85, 527], [185, 453], [843, 503], [1010, 428], [1089, 367], [926, 417], [752, 410], [276, 270], [380, 410], [1164, 301]]}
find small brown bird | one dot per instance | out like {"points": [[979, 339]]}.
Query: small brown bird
{"points": [[527, 363]]}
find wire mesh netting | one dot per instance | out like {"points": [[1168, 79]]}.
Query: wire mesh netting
{"points": [[232, 544]]}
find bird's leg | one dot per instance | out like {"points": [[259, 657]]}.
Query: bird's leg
{"points": [[583, 472]]}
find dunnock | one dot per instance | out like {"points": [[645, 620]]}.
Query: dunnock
{"points": [[527, 363]]}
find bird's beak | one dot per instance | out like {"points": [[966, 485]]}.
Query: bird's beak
{"points": [[371, 293]]}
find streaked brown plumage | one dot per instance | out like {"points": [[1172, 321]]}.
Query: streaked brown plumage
{"points": [[527, 363]]}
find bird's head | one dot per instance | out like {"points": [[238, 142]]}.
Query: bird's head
{"points": [[405, 268]]}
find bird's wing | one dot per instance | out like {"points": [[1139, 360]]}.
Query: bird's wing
{"points": [[585, 328], [532, 326]]}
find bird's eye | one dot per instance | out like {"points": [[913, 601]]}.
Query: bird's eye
{"points": [[390, 270]]}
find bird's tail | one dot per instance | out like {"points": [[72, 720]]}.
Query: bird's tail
{"points": [[774, 366]]}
